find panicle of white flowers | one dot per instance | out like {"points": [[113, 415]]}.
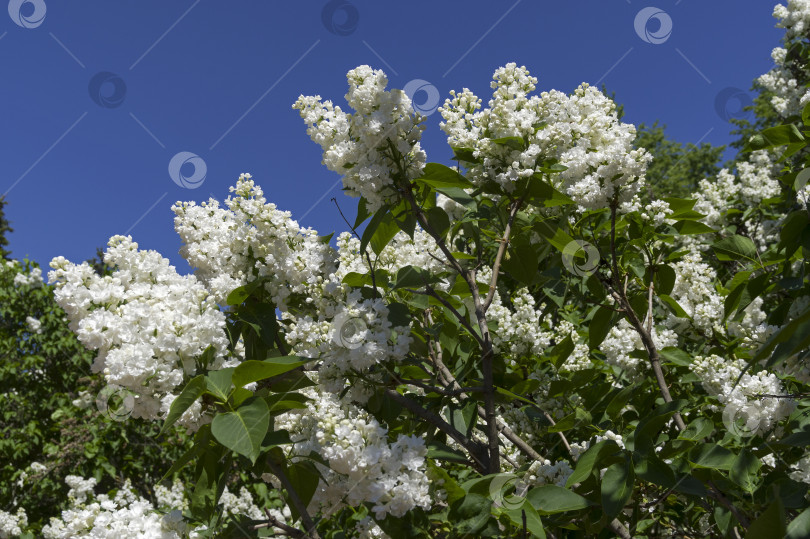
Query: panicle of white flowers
{"points": [[32, 278], [420, 252], [363, 465], [788, 96], [148, 323], [34, 324], [372, 146], [800, 471], [124, 515], [252, 238], [755, 180], [12, 525], [743, 399], [581, 131], [695, 292], [622, 340], [753, 328], [578, 448]]}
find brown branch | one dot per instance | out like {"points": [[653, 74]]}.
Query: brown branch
{"points": [[473, 447], [309, 524], [501, 250]]}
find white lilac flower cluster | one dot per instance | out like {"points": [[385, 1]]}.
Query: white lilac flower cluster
{"points": [[371, 147], [522, 333], [124, 515], [363, 465], [623, 340], [34, 324], [578, 448], [32, 278], [755, 180], [794, 18], [581, 131], [419, 252], [252, 239], [753, 328], [800, 471], [12, 525], [789, 97], [695, 292], [148, 323], [742, 401]]}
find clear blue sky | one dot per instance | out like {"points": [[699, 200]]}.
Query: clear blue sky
{"points": [[218, 79]]}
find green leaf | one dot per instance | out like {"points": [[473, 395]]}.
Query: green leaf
{"points": [[599, 326], [470, 513], [253, 370], [239, 295], [218, 383], [522, 260], [770, 524], [550, 499], [540, 193], [193, 391], [674, 306], [772, 137], [712, 456], [304, 477], [384, 233], [242, 431], [643, 438], [438, 220], [590, 459], [697, 430], [440, 451], [561, 351], [617, 487], [441, 176], [362, 212], [372, 226], [736, 247], [693, 227], [799, 528], [412, 277], [650, 468], [515, 143], [744, 470], [534, 524]]}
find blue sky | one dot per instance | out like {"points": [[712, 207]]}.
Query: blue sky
{"points": [[97, 97]]}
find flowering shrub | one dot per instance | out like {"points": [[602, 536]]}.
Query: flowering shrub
{"points": [[519, 344]]}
